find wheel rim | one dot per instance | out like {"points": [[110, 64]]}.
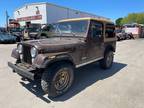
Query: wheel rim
{"points": [[62, 79], [109, 59]]}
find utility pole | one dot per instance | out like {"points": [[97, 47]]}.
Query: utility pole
{"points": [[7, 18]]}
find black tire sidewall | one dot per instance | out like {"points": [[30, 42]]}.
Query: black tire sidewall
{"points": [[103, 62], [48, 80], [107, 54]]}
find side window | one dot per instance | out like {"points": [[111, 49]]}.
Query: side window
{"points": [[110, 31], [97, 29]]}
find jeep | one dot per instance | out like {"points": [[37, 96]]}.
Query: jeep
{"points": [[44, 32], [73, 43]]}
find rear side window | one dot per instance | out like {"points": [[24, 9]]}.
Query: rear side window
{"points": [[97, 29], [110, 31]]}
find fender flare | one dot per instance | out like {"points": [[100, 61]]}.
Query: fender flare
{"points": [[15, 54], [109, 47], [43, 61]]}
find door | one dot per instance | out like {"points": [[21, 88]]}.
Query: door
{"points": [[95, 47]]}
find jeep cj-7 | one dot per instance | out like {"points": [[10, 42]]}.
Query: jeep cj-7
{"points": [[73, 43]]}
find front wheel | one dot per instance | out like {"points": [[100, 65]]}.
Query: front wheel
{"points": [[43, 37], [107, 61], [57, 79]]}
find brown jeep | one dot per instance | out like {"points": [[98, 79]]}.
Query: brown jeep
{"points": [[73, 43]]}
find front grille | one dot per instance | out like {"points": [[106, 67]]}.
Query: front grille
{"points": [[26, 54]]}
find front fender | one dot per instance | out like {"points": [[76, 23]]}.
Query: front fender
{"points": [[42, 61], [15, 54], [39, 61]]}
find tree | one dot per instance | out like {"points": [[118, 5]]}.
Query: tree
{"points": [[133, 18], [140, 18], [118, 21]]}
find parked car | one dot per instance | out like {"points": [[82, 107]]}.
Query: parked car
{"points": [[7, 38], [45, 31], [18, 33], [30, 33], [2, 29], [73, 43], [122, 35]]}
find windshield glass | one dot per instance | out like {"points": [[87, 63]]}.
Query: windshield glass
{"points": [[16, 30], [33, 29], [118, 31], [70, 28]]}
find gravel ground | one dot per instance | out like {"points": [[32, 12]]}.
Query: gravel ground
{"points": [[122, 86]]}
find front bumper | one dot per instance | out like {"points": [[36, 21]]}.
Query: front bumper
{"points": [[28, 73]]}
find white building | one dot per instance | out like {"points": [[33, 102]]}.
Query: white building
{"points": [[45, 13]]}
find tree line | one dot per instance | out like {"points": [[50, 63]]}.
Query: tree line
{"points": [[131, 18]]}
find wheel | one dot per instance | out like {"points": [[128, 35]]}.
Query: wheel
{"points": [[57, 79], [132, 37], [17, 39], [118, 39], [43, 37], [107, 61]]}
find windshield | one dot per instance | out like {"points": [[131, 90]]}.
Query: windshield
{"points": [[120, 31], [16, 30], [33, 29], [70, 28]]}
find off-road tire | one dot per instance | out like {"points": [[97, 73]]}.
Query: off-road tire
{"points": [[49, 76], [104, 63], [43, 37]]}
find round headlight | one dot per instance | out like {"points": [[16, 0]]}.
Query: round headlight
{"points": [[34, 52], [20, 48]]}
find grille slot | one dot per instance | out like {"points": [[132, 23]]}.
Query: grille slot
{"points": [[26, 54]]}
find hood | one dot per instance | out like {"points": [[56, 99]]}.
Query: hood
{"points": [[56, 44]]}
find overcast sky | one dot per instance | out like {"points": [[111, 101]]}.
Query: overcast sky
{"points": [[108, 8]]}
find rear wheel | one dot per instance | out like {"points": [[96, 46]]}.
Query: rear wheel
{"points": [[43, 37], [118, 38], [107, 61], [57, 79]]}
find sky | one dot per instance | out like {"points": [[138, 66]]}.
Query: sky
{"points": [[112, 9]]}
